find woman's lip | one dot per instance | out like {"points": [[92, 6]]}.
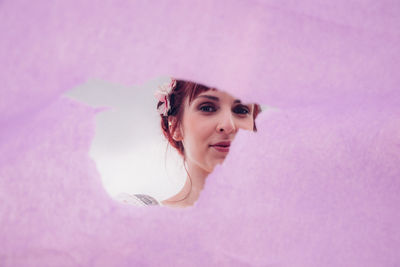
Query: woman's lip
{"points": [[221, 148], [223, 143]]}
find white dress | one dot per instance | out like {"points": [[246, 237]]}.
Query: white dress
{"points": [[137, 199]]}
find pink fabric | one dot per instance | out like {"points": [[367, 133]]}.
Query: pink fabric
{"points": [[318, 185]]}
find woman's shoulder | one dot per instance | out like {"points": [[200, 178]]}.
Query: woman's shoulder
{"points": [[137, 199]]}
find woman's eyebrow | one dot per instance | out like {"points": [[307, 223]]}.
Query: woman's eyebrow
{"points": [[210, 97], [217, 99]]}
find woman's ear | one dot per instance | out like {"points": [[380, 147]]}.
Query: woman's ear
{"points": [[174, 129]]}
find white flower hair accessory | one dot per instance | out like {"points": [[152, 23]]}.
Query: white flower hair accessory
{"points": [[163, 94]]}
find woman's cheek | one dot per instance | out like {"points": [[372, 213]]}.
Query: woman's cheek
{"points": [[246, 124], [204, 122]]}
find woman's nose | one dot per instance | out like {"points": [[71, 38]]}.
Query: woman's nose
{"points": [[226, 123]]}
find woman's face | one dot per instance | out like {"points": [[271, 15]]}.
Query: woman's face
{"points": [[209, 125]]}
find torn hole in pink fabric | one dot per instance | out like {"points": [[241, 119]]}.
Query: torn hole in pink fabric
{"points": [[318, 185]]}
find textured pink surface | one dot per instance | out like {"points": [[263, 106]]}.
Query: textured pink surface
{"points": [[318, 185]]}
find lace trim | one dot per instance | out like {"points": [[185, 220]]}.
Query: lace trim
{"points": [[137, 199]]}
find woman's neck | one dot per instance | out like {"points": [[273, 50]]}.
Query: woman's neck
{"points": [[190, 192]]}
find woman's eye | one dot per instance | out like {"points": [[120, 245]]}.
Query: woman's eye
{"points": [[242, 110], [208, 108]]}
